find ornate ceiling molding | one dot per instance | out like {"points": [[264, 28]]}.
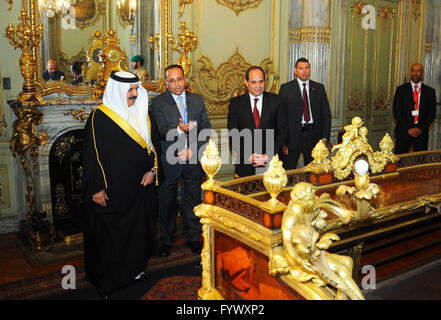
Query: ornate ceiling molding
{"points": [[239, 5]]}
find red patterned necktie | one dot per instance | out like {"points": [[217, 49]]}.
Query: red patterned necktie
{"points": [[306, 115], [416, 93], [256, 114]]}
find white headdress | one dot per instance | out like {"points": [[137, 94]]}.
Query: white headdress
{"points": [[115, 98]]}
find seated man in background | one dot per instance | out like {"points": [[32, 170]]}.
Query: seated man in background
{"points": [[137, 63], [51, 73], [75, 68]]}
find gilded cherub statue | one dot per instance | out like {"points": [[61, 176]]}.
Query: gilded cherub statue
{"points": [[25, 136], [304, 254]]}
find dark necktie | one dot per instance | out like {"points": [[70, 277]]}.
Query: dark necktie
{"points": [[256, 114], [306, 115], [416, 93]]}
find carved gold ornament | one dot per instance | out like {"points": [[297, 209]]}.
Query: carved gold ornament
{"points": [[182, 4], [381, 102], [218, 86], [275, 179], [304, 257], [26, 37], [112, 59], [79, 114], [186, 41], [416, 9], [356, 7], [356, 102], [363, 191], [93, 60], [239, 5], [355, 144], [210, 162], [386, 13], [320, 154], [25, 137], [310, 34]]}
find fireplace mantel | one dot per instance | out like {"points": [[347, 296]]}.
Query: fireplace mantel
{"points": [[58, 116]]}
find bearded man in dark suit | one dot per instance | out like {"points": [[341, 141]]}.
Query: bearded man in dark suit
{"points": [[307, 116], [414, 109]]}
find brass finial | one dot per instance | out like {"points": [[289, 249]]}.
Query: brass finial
{"points": [[210, 162], [275, 179]]}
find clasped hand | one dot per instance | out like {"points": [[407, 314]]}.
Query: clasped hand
{"points": [[258, 160], [414, 132], [185, 154]]}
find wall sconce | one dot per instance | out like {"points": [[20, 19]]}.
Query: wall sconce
{"points": [[127, 11]]}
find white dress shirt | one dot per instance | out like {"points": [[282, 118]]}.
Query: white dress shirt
{"points": [[259, 103]]}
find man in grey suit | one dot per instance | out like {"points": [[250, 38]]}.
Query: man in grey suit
{"points": [[308, 116], [180, 117]]}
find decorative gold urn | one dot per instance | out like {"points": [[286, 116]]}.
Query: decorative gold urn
{"points": [[210, 162], [274, 180]]}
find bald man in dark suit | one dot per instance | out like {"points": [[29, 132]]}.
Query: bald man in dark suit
{"points": [[414, 109], [180, 117]]}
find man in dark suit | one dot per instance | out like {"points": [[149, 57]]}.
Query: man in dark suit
{"points": [[254, 115], [307, 116], [180, 116], [51, 73], [414, 109]]}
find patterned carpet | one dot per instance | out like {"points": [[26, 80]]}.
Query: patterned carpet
{"points": [[175, 288], [175, 277]]}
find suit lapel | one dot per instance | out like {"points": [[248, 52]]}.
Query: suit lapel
{"points": [[188, 100], [410, 95], [249, 118], [265, 107], [422, 96], [297, 95]]}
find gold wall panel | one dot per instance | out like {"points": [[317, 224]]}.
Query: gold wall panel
{"points": [[239, 5], [219, 85], [224, 53]]}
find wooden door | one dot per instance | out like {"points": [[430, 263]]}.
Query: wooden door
{"points": [[371, 65]]}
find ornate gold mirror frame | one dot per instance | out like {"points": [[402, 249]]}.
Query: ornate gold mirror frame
{"points": [[26, 35]]}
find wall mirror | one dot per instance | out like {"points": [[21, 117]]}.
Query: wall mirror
{"points": [[73, 29]]}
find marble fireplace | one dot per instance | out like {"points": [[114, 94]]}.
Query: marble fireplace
{"points": [[54, 183]]}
